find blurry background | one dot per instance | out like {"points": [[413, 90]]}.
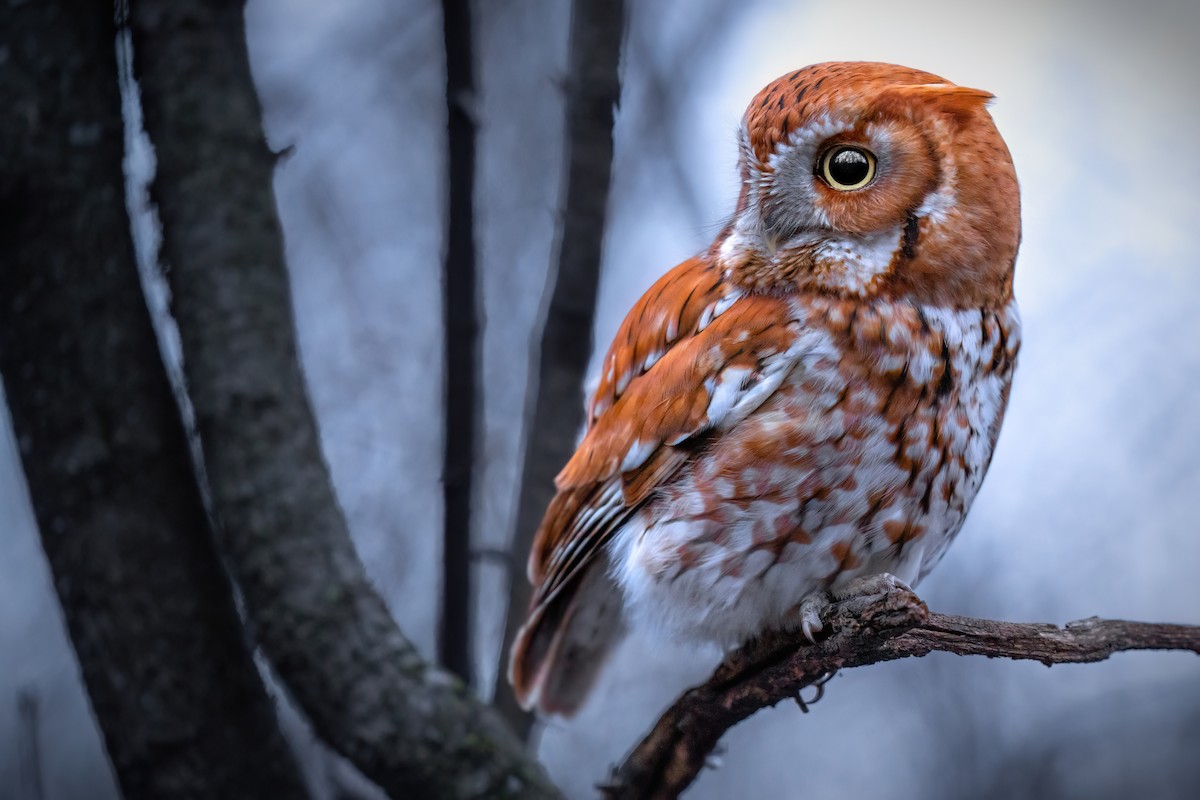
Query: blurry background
{"points": [[1090, 506]]}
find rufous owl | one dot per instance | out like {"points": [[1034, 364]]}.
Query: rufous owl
{"points": [[809, 406]]}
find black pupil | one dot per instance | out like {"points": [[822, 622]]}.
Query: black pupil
{"points": [[848, 167]]}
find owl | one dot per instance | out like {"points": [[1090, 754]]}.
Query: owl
{"points": [[808, 407]]}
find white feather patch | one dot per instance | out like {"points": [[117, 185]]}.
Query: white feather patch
{"points": [[852, 262], [726, 392], [637, 454]]}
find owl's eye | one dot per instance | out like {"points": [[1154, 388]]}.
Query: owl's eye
{"points": [[846, 168]]}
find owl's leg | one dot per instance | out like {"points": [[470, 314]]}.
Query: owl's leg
{"points": [[814, 605]]}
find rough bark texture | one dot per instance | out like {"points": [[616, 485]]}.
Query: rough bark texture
{"points": [[461, 322], [862, 630], [412, 728], [592, 87], [148, 606]]}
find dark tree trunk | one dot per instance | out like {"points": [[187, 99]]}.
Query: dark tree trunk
{"points": [[412, 728], [593, 88], [149, 609], [462, 332]]}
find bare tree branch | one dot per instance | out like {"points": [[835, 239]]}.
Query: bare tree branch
{"points": [[593, 88], [461, 326], [414, 729], [862, 630], [1081, 642]]}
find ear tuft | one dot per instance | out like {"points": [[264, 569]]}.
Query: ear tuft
{"points": [[960, 101]]}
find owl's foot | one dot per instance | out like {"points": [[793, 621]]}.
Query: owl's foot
{"points": [[814, 605], [870, 585]]}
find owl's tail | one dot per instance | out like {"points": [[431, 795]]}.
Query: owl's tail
{"points": [[559, 651]]}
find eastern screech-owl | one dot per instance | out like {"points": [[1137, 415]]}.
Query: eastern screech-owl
{"points": [[812, 401]]}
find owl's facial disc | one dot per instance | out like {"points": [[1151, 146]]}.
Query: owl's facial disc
{"points": [[791, 203], [830, 206]]}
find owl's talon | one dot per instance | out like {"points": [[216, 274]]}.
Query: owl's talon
{"points": [[810, 610], [819, 685]]}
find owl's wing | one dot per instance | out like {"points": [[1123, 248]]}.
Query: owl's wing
{"points": [[694, 356]]}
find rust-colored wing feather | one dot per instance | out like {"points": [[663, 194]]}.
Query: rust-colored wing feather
{"points": [[692, 356]]}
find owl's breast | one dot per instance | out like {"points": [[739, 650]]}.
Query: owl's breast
{"points": [[865, 460]]}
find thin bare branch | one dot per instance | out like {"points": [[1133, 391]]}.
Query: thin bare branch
{"points": [[1081, 642], [461, 328], [592, 89], [861, 631], [29, 744]]}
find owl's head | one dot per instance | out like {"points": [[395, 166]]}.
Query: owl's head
{"points": [[863, 179]]}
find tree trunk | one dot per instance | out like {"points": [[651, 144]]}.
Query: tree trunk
{"points": [[412, 728], [149, 608], [593, 88]]}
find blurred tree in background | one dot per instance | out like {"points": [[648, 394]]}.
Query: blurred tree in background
{"points": [[116, 494], [150, 609]]}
